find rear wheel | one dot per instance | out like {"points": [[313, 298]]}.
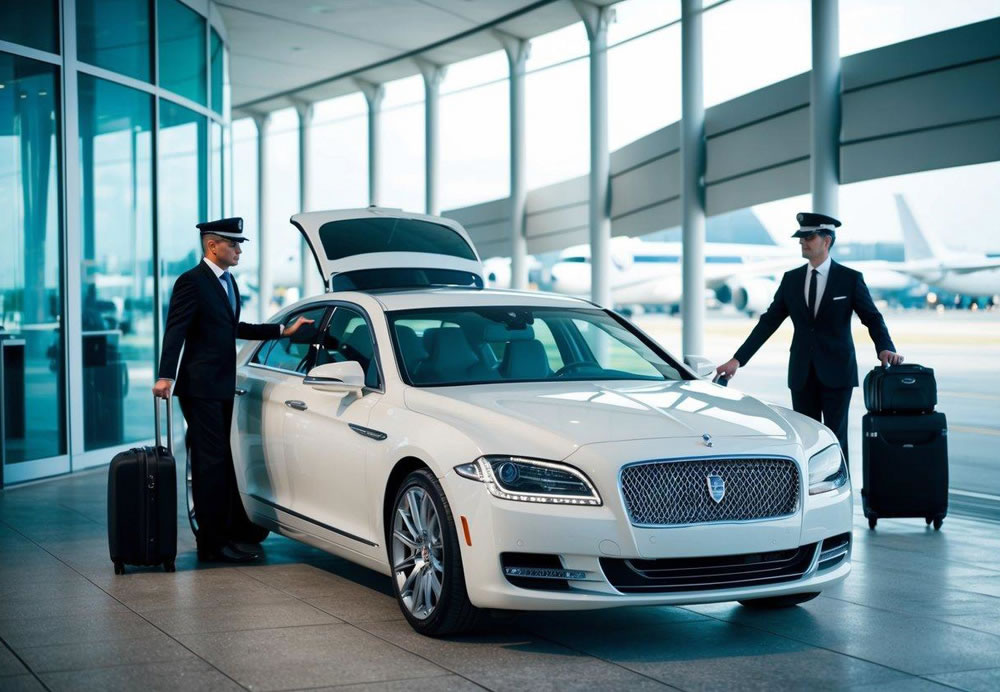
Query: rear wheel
{"points": [[427, 572], [778, 601]]}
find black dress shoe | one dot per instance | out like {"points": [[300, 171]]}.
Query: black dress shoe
{"points": [[226, 553]]}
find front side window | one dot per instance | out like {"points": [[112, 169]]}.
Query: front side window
{"points": [[473, 345], [348, 337], [293, 353]]}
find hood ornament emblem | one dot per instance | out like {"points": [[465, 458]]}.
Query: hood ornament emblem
{"points": [[716, 487], [707, 439]]}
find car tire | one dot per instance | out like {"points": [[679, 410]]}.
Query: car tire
{"points": [[425, 559], [775, 602]]}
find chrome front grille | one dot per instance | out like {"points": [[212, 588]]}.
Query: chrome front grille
{"points": [[668, 493]]}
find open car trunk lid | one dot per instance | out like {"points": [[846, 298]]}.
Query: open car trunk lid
{"points": [[373, 247]]}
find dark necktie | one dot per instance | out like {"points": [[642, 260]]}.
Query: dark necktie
{"points": [[232, 295], [812, 293]]}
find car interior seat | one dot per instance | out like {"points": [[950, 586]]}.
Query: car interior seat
{"points": [[358, 346], [452, 359], [411, 347], [525, 359]]}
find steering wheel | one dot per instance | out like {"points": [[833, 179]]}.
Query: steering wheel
{"points": [[574, 365]]}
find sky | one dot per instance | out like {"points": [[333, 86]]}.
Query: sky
{"points": [[748, 44]]}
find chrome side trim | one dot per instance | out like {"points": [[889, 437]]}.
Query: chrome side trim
{"points": [[320, 524]]}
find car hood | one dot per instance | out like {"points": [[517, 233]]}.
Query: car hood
{"points": [[556, 418]]}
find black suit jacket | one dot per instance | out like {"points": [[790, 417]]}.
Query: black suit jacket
{"points": [[200, 320], [823, 341]]}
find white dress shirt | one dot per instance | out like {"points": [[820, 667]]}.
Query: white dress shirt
{"points": [[218, 271], [822, 273]]}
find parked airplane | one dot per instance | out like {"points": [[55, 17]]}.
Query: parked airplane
{"points": [[975, 275], [649, 273]]}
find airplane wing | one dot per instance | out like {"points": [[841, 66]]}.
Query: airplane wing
{"points": [[950, 267]]}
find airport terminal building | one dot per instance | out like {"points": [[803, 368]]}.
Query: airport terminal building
{"points": [[116, 138]]}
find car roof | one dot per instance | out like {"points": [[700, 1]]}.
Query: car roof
{"points": [[445, 297]]}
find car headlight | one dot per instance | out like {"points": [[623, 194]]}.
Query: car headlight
{"points": [[531, 480], [827, 470]]}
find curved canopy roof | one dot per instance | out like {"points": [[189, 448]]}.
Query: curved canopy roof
{"points": [[311, 50]]}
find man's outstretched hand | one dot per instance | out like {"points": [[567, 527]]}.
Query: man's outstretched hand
{"points": [[887, 357], [294, 326], [728, 369]]}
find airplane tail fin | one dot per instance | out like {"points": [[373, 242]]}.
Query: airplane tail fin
{"points": [[917, 245]]}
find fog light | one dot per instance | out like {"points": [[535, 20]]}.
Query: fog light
{"points": [[544, 573]]}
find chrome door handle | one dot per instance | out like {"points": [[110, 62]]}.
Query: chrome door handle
{"points": [[240, 391], [296, 404]]}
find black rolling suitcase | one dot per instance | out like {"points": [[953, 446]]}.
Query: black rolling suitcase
{"points": [[905, 466], [142, 503]]}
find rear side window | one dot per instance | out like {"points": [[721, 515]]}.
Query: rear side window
{"points": [[360, 236], [296, 352]]}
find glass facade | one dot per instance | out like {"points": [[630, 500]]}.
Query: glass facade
{"points": [[183, 59], [31, 295], [117, 276], [115, 35], [90, 256], [32, 23], [401, 148]]}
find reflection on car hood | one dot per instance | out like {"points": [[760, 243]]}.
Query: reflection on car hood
{"points": [[580, 413]]}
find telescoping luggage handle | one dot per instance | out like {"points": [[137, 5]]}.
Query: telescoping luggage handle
{"points": [[170, 423]]}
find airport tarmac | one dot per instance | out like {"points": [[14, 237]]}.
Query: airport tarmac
{"points": [[963, 347]]}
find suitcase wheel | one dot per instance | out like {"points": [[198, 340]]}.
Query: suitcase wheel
{"points": [[928, 520], [872, 521], [937, 523], [119, 568], [169, 566]]}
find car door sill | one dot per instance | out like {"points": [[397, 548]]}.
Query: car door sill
{"points": [[320, 524]]}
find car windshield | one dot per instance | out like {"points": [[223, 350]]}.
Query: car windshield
{"points": [[478, 345]]}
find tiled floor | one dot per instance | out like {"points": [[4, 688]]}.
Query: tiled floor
{"points": [[921, 611]]}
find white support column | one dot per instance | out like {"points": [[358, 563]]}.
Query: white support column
{"points": [[310, 281], [518, 50], [374, 93], [433, 76], [264, 274], [596, 20], [824, 111], [693, 180]]}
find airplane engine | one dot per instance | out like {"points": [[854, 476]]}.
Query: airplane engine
{"points": [[754, 295]]}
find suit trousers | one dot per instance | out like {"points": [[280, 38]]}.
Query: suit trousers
{"points": [[216, 495], [828, 405]]}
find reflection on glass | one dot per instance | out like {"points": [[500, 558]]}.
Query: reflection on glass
{"points": [[183, 62], [117, 273], [244, 204], [115, 35], [182, 181], [32, 23], [217, 71], [31, 341], [217, 192]]}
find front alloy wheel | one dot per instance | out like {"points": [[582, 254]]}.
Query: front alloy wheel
{"points": [[426, 565]]}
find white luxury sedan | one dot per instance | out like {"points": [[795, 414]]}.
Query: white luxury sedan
{"points": [[513, 450]]}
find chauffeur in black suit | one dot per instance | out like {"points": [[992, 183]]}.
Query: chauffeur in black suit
{"points": [[204, 319], [820, 297]]}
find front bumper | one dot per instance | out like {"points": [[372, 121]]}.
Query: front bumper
{"points": [[582, 536]]}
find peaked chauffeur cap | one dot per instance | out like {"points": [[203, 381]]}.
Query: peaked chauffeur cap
{"points": [[815, 223], [231, 228]]}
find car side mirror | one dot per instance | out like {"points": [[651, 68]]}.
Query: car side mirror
{"points": [[346, 376], [702, 366]]}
